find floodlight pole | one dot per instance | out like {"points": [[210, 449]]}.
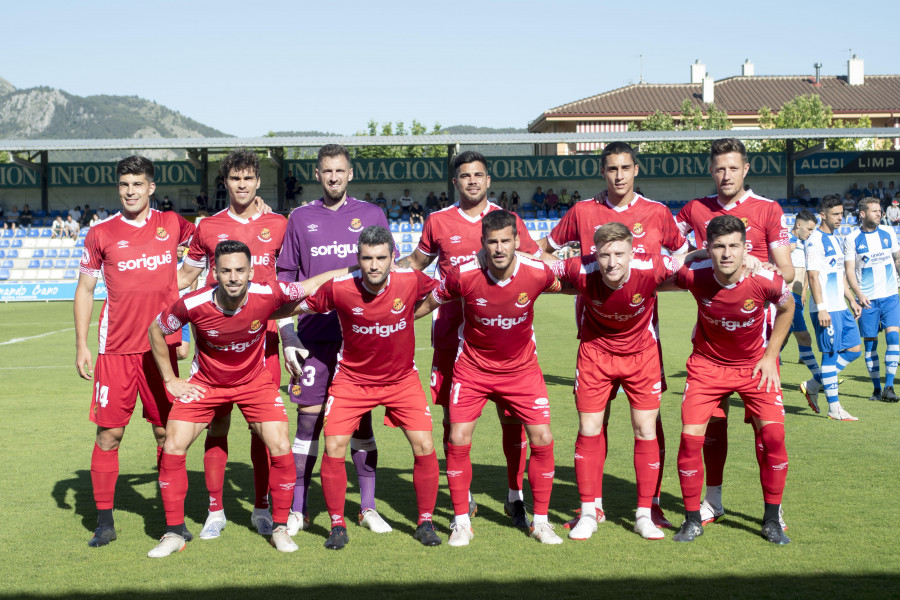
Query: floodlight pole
{"points": [[789, 165]]}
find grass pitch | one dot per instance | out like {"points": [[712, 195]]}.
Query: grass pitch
{"points": [[840, 502]]}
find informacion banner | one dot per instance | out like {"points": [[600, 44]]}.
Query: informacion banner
{"points": [[832, 163], [94, 175], [38, 290]]}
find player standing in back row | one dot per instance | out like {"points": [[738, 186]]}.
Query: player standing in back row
{"points": [[322, 236]]}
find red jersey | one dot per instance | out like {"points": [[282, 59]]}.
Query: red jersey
{"points": [[138, 262], [379, 337], [619, 321], [263, 234], [230, 345], [731, 319], [763, 218], [455, 239], [498, 336], [650, 222]]}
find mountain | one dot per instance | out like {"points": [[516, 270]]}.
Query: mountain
{"points": [[47, 113]]}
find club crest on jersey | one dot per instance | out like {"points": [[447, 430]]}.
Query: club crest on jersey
{"points": [[85, 257], [161, 234], [356, 225], [173, 323], [295, 389], [636, 300], [749, 306], [746, 223], [265, 235], [255, 325], [523, 300], [638, 230], [398, 306]]}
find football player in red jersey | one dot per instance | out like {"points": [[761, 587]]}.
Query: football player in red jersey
{"points": [[453, 237], [263, 234], [136, 250], [731, 355], [229, 320], [767, 240], [498, 361]]}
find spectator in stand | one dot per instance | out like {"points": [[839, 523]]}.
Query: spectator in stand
{"points": [[26, 218], [537, 200], [880, 190], [72, 227], [101, 212], [222, 192], [2, 218], [869, 192], [551, 199], [394, 210], [290, 189], [492, 198], [416, 214], [13, 217], [94, 220], [849, 205], [87, 216], [576, 197], [893, 213], [891, 192], [406, 200], [514, 201], [564, 198], [166, 204], [855, 192], [75, 213], [368, 198], [503, 202], [201, 202], [803, 195], [58, 228], [431, 203], [381, 201], [154, 202], [444, 200]]}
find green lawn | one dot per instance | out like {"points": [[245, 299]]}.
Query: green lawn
{"points": [[840, 504]]}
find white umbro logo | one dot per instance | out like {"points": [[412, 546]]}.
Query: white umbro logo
{"points": [[312, 227], [357, 310], [455, 239], [454, 473], [123, 243], [223, 236], [780, 467], [481, 302], [212, 333]]}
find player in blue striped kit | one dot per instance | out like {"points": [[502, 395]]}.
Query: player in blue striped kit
{"points": [[871, 258]]}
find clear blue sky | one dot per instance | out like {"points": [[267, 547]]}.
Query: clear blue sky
{"points": [[250, 67]]}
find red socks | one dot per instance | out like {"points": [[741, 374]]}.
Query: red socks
{"points": [[587, 451], [514, 447], [601, 463], [661, 442], [426, 477], [540, 476], [282, 477], [215, 457], [459, 476], [646, 469], [259, 456], [334, 487], [774, 467], [104, 472], [715, 451], [173, 485], [690, 470]]}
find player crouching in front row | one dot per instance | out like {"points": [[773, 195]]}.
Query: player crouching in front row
{"points": [[230, 322]]}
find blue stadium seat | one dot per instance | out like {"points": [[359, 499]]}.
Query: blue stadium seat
{"points": [[395, 227], [4, 274], [417, 226], [70, 274], [552, 214], [7, 233], [4, 243], [527, 214], [34, 232], [541, 214], [406, 248], [51, 253], [79, 243], [40, 213], [405, 226], [20, 233], [17, 243], [47, 263], [530, 225], [2, 253], [73, 263], [12, 254], [563, 211], [39, 253], [543, 226], [6, 264], [45, 233], [60, 263], [34, 264], [407, 237], [528, 206], [65, 253], [77, 252], [54, 213]]}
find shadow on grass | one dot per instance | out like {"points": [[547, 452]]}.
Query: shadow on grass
{"points": [[602, 586]]}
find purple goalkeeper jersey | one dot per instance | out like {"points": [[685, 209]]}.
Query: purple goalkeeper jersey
{"points": [[319, 239]]}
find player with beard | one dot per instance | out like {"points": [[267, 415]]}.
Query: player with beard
{"points": [[377, 368], [453, 237], [320, 236]]}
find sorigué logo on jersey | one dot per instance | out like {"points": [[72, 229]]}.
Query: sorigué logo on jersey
{"points": [[398, 306], [255, 325], [356, 225], [523, 300], [749, 306], [161, 234], [636, 300], [638, 230], [265, 235]]}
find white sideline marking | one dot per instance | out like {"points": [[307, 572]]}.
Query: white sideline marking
{"points": [[34, 337]]}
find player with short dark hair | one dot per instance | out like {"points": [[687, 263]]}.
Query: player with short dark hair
{"points": [[453, 237], [804, 225], [263, 233], [731, 355], [229, 320], [320, 236], [653, 231], [377, 368], [498, 361], [767, 241], [137, 253]]}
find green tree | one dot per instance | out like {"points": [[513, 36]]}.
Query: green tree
{"points": [[389, 128], [692, 118], [4, 157]]}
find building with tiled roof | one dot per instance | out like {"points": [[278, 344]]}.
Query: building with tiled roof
{"points": [[850, 97]]}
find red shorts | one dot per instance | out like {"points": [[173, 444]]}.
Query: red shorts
{"points": [[259, 401], [119, 379], [598, 374], [272, 356], [404, 402], [523, 395], [442, 362], [707, 383]]}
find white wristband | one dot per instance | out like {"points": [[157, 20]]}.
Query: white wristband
{"points": [[821, 306], [285, 321]]}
